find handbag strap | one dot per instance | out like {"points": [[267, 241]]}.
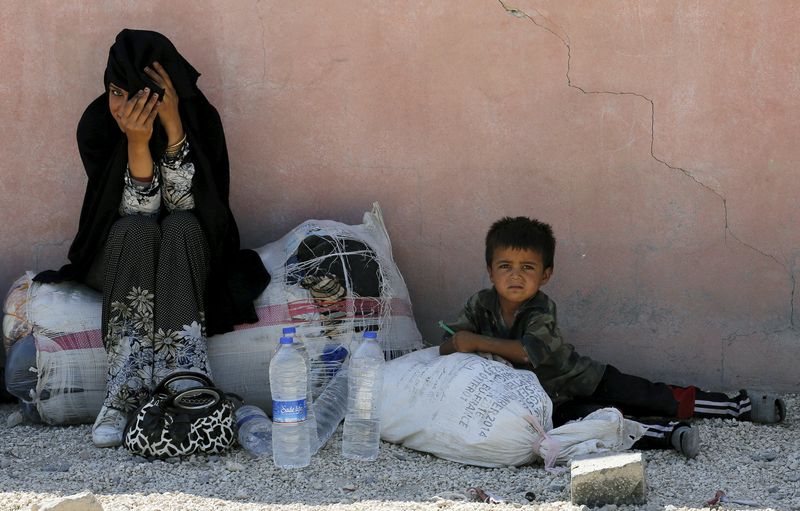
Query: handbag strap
{"points": [[196, 400], [182, 375]]}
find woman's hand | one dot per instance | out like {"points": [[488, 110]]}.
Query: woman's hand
{"points": [[137, 116], [168, 112]]}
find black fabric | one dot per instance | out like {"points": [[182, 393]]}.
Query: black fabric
{"points": [[236, 277], [632, 395], [5, 397], [362, 264]]}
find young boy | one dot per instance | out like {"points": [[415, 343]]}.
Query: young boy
{"points": [[517, 321]]}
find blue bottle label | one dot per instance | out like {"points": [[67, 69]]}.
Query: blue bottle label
{"points": [[289, 411]]}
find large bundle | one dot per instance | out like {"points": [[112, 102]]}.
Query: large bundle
{"points": [[465, 408], [329, 280]]}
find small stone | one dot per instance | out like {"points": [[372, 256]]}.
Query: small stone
{"points": [[349, 487], [15, 419], [764, 455], [556, 487], [5, 463], [317, 485], [85, 501], [204, 479], [233, 466], [241, 495], [56, 467], [793, 477], [530, 496], [172, 460]]}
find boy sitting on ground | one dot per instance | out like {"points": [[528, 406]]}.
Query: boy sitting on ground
{"points": [[516, 321]]}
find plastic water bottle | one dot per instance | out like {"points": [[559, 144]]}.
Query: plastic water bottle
{"points": [[254, 430], [289, 385], [331, 407], [311, 417], [362, 429]]}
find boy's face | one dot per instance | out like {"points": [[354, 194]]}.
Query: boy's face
{"points": [[517, 275]]}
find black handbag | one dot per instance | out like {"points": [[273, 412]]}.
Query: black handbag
{"points": [[186, 414]]}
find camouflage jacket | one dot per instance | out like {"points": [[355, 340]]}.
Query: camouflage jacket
{"points": [[561, 371]]}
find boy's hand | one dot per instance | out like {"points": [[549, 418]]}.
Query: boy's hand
{"points": [[466, 342], [469, 342], [461, 342]]}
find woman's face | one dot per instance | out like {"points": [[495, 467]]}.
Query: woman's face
{"points": [[117, 97]]}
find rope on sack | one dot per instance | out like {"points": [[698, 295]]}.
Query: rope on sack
{"points": [[552, 445]]}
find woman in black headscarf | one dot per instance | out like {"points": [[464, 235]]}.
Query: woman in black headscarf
{"points": [[156, 233]]}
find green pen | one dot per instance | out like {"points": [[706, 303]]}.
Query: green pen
{"points": [[446, 328]]}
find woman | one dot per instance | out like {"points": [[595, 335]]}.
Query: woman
{"points": [[156, 233]]}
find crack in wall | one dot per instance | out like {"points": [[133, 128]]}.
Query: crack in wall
{"points": [[564, 38]]}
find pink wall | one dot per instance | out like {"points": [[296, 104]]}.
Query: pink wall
{"points": [[659, 139]]}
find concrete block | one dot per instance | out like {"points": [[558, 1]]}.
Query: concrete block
{"points": [[608, 478]]}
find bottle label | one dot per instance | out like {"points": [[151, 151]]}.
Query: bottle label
{"points": [[289, 411]]}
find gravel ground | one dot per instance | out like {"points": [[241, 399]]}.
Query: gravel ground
{"points": [[748, 461]]}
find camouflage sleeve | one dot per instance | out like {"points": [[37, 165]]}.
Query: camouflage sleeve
{"points": [[541, 338], [465, 320]]}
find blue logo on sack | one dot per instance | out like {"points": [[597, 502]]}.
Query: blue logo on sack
{"points": [[289, 411]]}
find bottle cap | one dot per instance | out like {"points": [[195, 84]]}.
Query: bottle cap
{"points": [[288, 330], [286, 340], [370, 335]]}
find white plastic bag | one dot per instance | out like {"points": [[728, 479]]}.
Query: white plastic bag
{"points": [[463, 407], [602, 430]]}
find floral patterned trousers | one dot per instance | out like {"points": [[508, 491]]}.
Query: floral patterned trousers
{"points": [[153, 316]]}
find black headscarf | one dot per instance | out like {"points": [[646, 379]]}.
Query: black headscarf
{"points": [[237, 277]]}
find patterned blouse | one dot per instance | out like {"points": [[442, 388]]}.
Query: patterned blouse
{"points": [[171, 183]]}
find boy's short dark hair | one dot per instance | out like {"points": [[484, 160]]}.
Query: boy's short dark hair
{"points": [[521, 233]]}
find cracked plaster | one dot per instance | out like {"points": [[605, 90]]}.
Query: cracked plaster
{"points": [[655, 136]]}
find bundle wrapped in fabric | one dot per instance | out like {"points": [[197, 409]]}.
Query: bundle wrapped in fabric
{"points": [[329, 280], [463, 407]]}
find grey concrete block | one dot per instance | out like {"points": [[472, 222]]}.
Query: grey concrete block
{"points": [[608, 478]]}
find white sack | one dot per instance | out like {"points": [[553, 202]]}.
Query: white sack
{"points": [[600, 431], [463, 408]]}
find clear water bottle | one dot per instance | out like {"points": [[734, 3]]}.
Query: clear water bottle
{"points": [[289, 385], [311, 416], [361, 437], [254, 430], [331, 407]]}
